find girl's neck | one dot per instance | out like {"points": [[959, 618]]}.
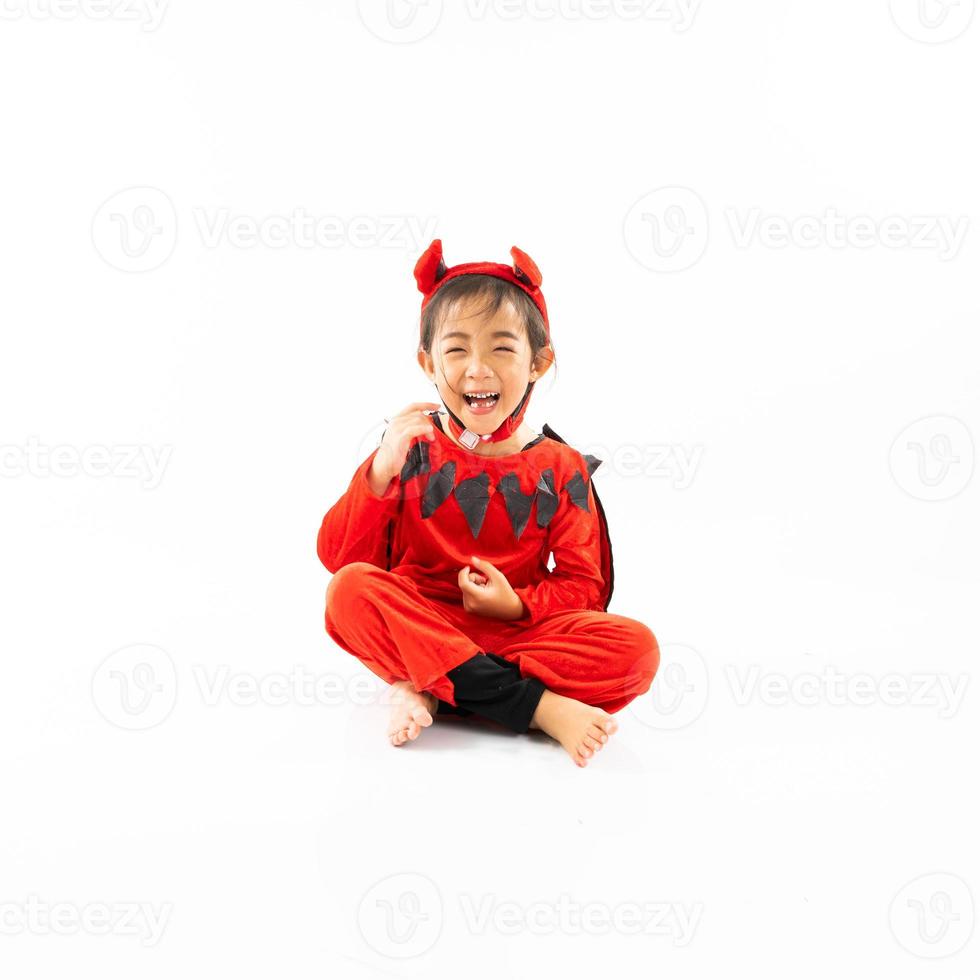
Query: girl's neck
{"points": [[505, 447]]}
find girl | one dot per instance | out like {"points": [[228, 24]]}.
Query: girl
{"points": [[451, 601]]}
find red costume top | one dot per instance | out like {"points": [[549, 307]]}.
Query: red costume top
{"points": [[448, 504]]}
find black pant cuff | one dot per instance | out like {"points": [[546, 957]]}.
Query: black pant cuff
{"points": [[445, 708]]}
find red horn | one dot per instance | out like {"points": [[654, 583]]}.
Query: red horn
{"points": [[524, 268], [430, 267]]}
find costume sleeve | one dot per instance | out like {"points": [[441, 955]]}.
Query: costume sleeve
{"points": [[355, 528], [576, 581]]}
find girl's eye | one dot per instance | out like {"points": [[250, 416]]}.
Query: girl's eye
{"points": [[454, 349]]}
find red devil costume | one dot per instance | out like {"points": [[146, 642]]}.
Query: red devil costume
{"points": [[394, 600]]}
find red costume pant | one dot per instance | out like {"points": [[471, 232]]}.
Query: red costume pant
{"points": [[601, 658]]}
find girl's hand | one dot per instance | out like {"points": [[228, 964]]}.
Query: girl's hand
{"points": [[487, 592], [403, 429]]}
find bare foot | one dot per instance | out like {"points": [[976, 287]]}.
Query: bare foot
{"points": [[411, 711], [581, 728]]}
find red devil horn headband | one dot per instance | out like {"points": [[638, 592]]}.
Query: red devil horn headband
{"points": [[431, 274]]}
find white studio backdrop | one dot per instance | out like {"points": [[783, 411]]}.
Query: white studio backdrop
{"points": [[756, 225]]}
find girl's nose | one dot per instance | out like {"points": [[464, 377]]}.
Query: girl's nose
{"points": [[478, 368]]}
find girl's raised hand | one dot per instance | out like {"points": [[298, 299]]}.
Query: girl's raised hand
{"points": [[487, 592], [402, 431]]}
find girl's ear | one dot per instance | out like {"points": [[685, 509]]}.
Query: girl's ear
{"points": [[541, 362], [430, 267], [524, 268], [425, 362]]}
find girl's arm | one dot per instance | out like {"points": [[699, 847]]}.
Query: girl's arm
{"points": [[576, 581], [355, 528]]}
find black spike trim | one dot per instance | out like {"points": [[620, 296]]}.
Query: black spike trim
{"points": [[593, 463], [416, 462], [578, 490], [438, 488], [518, 503], [546, 497], [473, 496]]}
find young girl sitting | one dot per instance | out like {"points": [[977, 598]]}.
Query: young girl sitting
{"points": [[439, 546]]}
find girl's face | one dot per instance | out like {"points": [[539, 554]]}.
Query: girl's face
{"points": [[475, 354]]}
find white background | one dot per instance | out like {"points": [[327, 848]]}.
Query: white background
{"points": [[817, 542]]}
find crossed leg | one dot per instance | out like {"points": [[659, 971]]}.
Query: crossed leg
{"points": [[590, 663]]}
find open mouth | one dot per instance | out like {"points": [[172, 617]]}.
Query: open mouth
{"points": [[483, 403]]}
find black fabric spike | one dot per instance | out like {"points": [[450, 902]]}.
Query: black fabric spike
{"points": [[592, 462], [416, 462], [578, 490], [546, 497], [438, 487], [518, 503], [473, 495]]}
